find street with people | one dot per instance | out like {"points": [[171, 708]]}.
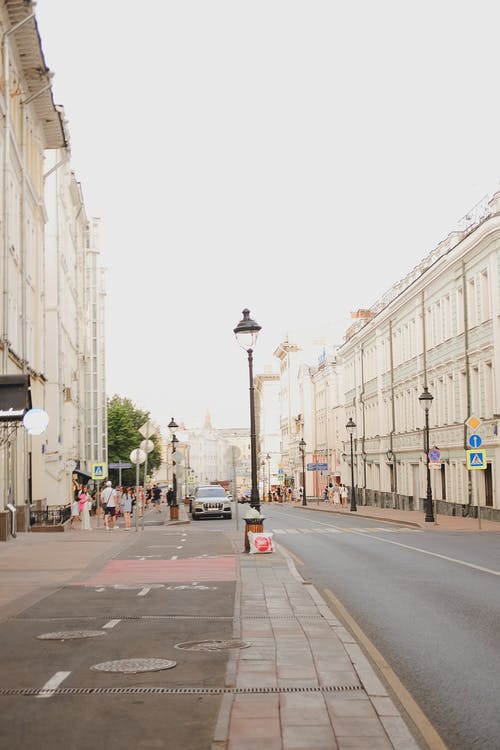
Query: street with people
{"points": [[284, 633]]}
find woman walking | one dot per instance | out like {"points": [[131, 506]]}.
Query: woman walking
{"points": [[85, 504], [126, 506]]}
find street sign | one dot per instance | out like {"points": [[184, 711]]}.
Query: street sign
{"points": [[311, 467], [147, 429], [99, 471], [473, 422], [475, 441], [322, 467], [434, 455], [476, 459], [120, 466], [138, 456]]}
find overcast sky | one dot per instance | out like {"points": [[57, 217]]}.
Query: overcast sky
{"points": [[296, 158]]}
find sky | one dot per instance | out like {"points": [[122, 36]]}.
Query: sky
{"points": [[295, 158]]}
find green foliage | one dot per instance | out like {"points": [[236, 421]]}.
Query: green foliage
{"points": [[124, 420]]}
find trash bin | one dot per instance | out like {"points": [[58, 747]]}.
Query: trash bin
{"points": [[253, 524]]}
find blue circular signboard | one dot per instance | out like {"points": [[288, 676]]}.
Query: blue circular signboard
{"points": [[475, 441]]}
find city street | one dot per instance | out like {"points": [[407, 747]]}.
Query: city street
{"points": [[150, 597], [428, 601]]}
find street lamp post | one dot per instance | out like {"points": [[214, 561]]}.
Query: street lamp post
{"points": [[425, 400], [268, 459], [302, 448], [246, 333], [174, 508], [350, 427]]}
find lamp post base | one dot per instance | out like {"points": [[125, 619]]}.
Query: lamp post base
{"points": [[174, 512]]}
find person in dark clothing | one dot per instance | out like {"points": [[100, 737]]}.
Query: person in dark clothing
{"points": [[170, 497]]}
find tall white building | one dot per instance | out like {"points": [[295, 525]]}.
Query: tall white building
{"points": [[437, 328], [52, 313]]}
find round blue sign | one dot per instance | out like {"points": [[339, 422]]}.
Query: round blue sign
{"points": [[475, 441], [434, 454]]}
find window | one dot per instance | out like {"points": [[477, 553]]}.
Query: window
{"points": [[485, 297], [460, 310], [489, 406], [471, 303]]}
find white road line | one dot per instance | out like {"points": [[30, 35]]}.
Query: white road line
{"points": [[47, 691], [111, 624], [435, 554], [174, 557], [100, 589], [144, 591], [179, 547]]}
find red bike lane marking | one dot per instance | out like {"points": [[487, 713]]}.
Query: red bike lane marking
{"points": [[165, 571]]}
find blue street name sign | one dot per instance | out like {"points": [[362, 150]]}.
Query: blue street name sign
{"points": [[475, 441], [311, 467], [120, 466], [322, 467]]}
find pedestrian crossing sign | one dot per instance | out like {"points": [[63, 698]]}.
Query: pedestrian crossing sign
{"points": [[99, 471], [476, 459]]}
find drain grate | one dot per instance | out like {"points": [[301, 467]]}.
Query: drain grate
{"points": [[181, 690], [212, 645], [165, 617]]}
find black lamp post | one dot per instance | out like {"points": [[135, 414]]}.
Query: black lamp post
{"points": [[246, 333], [302, 448], [425, 400], [172, 425], [268, 459], [350, 427]]}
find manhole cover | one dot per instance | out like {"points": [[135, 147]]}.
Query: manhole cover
{"points": [[68, 635], [134, 665], [212, 645]]}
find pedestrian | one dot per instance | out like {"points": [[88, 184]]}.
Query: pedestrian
{"points": [[126, 506], [157, 498], [109, 499], [85, 504], [343, 495], [170, 497], [75, 508], [325, 494]]}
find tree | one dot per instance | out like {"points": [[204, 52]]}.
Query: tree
{"points": [[124, 420]]}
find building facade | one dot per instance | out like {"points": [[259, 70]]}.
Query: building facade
{"points": [[438, 328]]}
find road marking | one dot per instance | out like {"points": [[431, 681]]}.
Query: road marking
{"points": [[47, 691], [111, 624], [144, 591], [435, 554], [174, 557], [100, 589], [179, 547], [432, 738]]}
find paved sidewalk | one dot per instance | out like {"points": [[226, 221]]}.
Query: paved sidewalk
{"points": [[309, 684], [407, 517]]}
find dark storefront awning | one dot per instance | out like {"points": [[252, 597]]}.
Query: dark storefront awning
{"points": [[15, 397], [82, 473]]}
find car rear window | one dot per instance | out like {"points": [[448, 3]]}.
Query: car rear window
{"points": [[210, 492]]}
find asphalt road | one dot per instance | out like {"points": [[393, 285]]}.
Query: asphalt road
{"points": [[430, 602], [132, 620]]}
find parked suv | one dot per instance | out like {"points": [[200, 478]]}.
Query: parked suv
{"points": [[210, 501]]}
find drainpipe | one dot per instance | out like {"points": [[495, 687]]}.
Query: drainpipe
{"points": [[393, 417], [467, 378], [362, 401]]}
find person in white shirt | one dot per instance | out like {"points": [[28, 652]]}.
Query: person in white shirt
{"points": [[109, 498]]}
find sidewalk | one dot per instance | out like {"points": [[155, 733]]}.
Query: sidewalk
{"points": [[300, 681], [405, 517], [303, 683]]}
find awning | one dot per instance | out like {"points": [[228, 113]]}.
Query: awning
{"points": [[15, 397], [82, 473]]}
